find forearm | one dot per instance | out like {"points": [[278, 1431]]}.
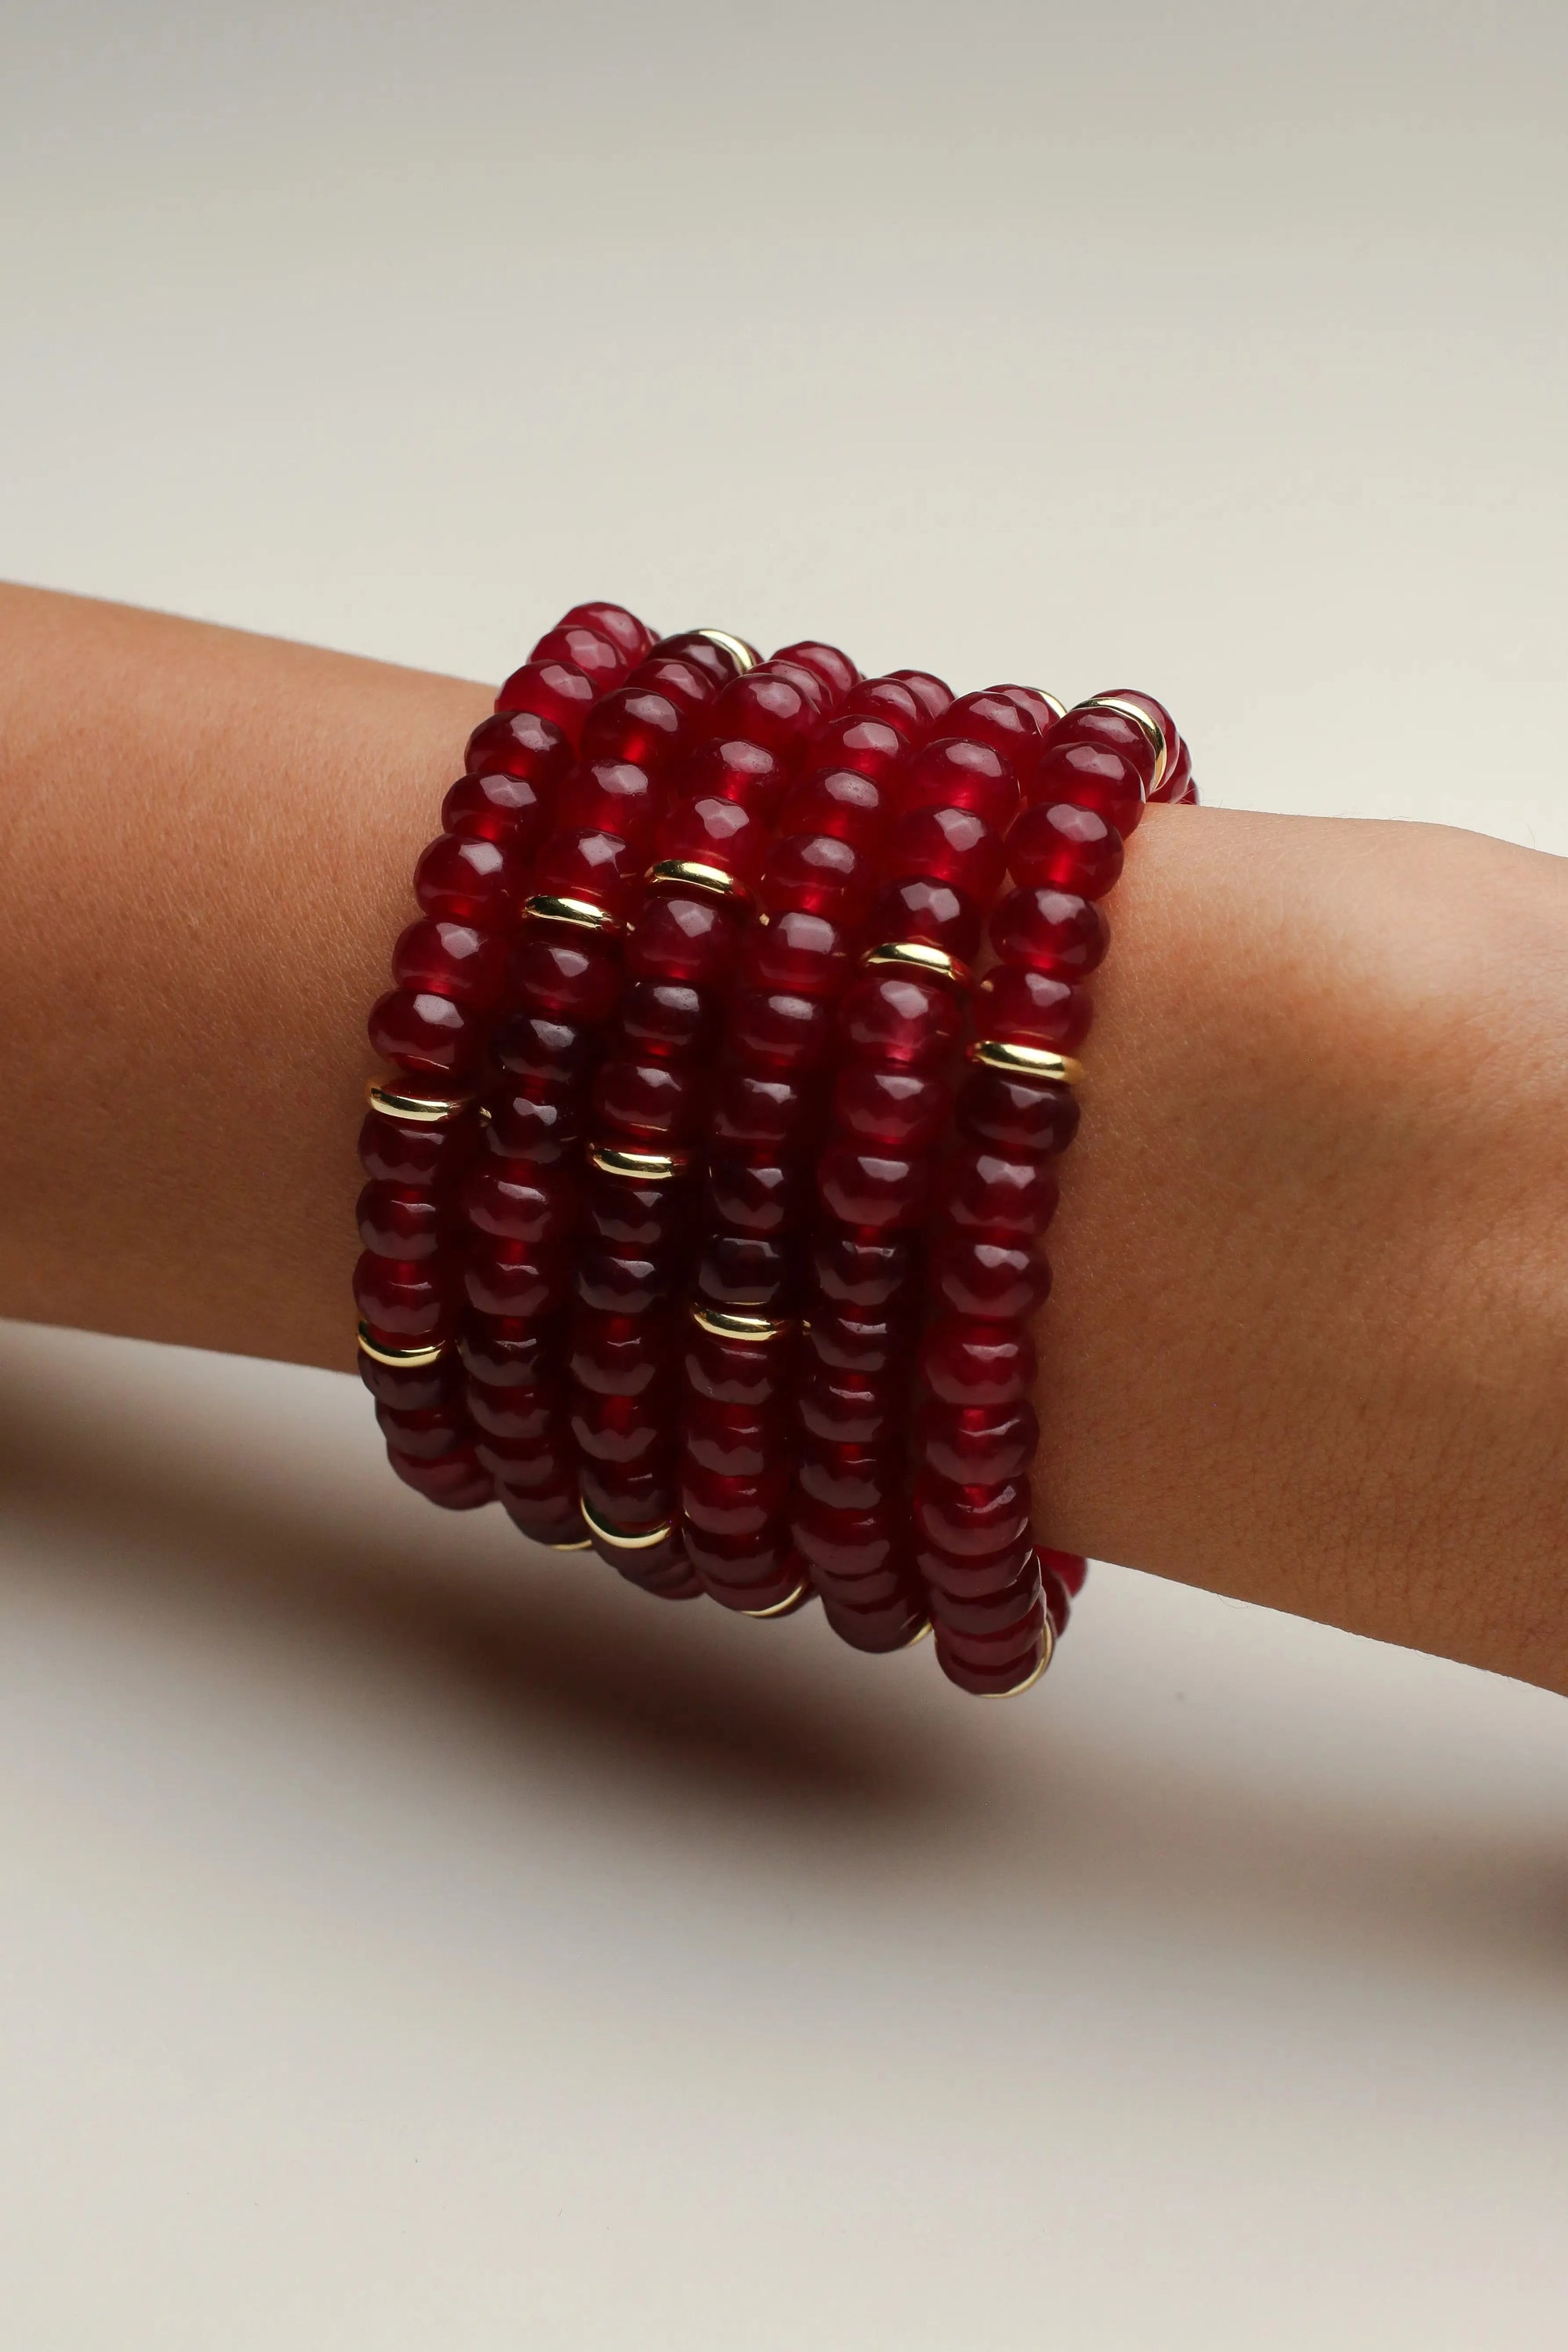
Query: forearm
{"points": [[1309, 1342]]}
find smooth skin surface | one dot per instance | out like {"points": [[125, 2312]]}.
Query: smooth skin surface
{"points": [[1308, 1338]]}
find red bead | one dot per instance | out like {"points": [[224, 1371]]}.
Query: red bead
{"points": [[1050, 930], [668, 1019], [874, 1188], [402, 1301], [540, 1467], [521, 1415], [846, 1545], [934, 913], [1101, 730], [413, 1388], [1032, 1008], [978, 1677], [984, 1274], [617, 1429], [457, 1483], [844, 1476], [745, 1270], [849, 1407], [740, 1507], [932, 695], [1059, 846], [733, 769], [559, 967], [517, 743], [970, 1522], [889, 699], [633, 636], [817, 873], [895, 1017], [542, 1047], [686, 683], [1090, 775], [1025, 1117], [617, 1355], [400, 1151], [598, 866], [628, 1495], [612, 796], [893, 1108], [588, 649], [538, 1121], [750, 1573], [965, 1362], [839, 803], [867, 1343], [732, 1441], [889, 1625], [835, 669], [798, 951], [640, 1098], [1069, 1567], [716, 662], [451, 959], [551, 1519], [1028, 697], [948, 845], [631, 1215], [810, 685], [859, 1270], [1010, 1616], [469, 880], [623, 1281], [944, 1574], [767, 709], [779, 1028], [556, 690], [987, 1190], [508, 1278], [977, 1444], [961, 774], [518, 1201], [507, 1351], [713, 831], [733, 1372], [758, 1107], [751, 1193], [867, 746], [993, 717], [495, 808], [636, 723], [677, 936], [418, 1030], [425, 1436], [396, 1220]]}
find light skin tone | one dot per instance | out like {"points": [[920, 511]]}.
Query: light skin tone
{"points": [[1308, 1338]]}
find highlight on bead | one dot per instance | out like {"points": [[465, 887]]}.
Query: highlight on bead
{"points": [[381, 1351], [642, 1167], [694, 873], [419, 1109], [720, 1324], [618, 1539], [922, 956], [1022, 1060]]}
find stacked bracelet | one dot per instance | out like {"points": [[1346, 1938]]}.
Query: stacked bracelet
{"points": [[703, 1204]]}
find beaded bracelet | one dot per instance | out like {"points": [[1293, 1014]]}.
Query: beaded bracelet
{"points": [[703, 1205]]}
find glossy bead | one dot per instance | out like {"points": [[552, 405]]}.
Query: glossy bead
{"points": [[598, 866], [630, 1496], [1059, 846], [888, 698], [887, 1626], [817, 873], [522, 1415], [617, 1429], [984, 1680], [452, 959], [988, 1191], [751, 1193], [767, 709], [960, 774], [588, 649], [1069, 1567], [987, 1276], [412, 1388], [970, 1522], [965, 1362], [837, 801], [553, 1520], [779, 1028], [810, 685], [758, 1107], [732, 1441], [636, 723], [507, 1351], [633, 636], [397, 1222], [750, 1271], [399, 1152], [1029, 699], [508, 1278], [740, 1507], [846, 1545], [403, 1302], [531, 1470], [993, 717], [1024, 1116], [929, 692], [542, 1046], [559, 969], [804, 953], [518, 744], [977, 1444], [539, 1122], [867, 747], [944, 1574], [617, 1355], [733, 1372], [896, 1016], [456, 1482], [642, 1098], [622, 1281], [418, 1030], [837, 671], [552, 689], [680, 936], [1092, 776], [713, 831], [859, 1342], [757, 1573], [859, 1270], [716, 662], [626, 1215], [872, 1188], [507, 809], [1033, 1008], [518, 1201], [894, 1109], [849, 1408], [686, 683], [1010, 1616], [1050, 930], [612, 796], [842, 1475], [931, 912], [670, 1019], [734, 770], [469, 880], [948, 845]]}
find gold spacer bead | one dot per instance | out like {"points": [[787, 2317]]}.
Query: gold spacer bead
{"points": [[726, 1323], [922, 1635], [419, 1111], [578, 1543], [547, 908], [646, 1167], [1057, 706], [619, 1542], [780, 1608], [915, 955], [1152, 732], [696, 874], [744, 657], [1047, 1652], [399, 1358], [1020, 1061]]}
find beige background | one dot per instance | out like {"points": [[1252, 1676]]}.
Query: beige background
{"points": [[410, 1942]]}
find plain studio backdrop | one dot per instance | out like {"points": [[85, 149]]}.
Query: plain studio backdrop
{"points": [[409, 1941]]}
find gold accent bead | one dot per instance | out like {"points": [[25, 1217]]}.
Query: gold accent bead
{"points": [[644, 1167], [922, 1635], [578, 1543], [1016, 1060], [400, 1359], [695, 874], [546, 906], [729, 1323], [780, 1608], [419, 1111], [1059, 708], [744, 657], [1145, 721], [916, 955], [619, 1542]]}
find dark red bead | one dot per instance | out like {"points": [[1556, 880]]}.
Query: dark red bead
{"points": [[418, 1030], [977, 1444], [600, 867], [588, 649], [895, 1016], [618, 1429], [716, 662], [943, 1573], [451, 959], [1032, 1008], [837, 801], [518, 1201], [780, 1028], [804, 953], [932, 913], [859, 1270], [396, 1220], [636, 723], [1069, 1567], [948, 845], [402, 1151], [643, 1099], [467, 880], [623, 1281], [958, 772], [733, 769], [522, 1415], [844, 1476], [552, 689], [540, 1121], [562, 968], [864, 1343], [670, 1019], [681, 936], [759, 1106], [970, 1522], [993, 717], [551, 1519], [810, 685], [1025, 1117], [889, 699], [1050, 930], [846, 1545], [626, 1215], [630, 1496], [1057, 846], [713, 831], [733, 1371], [456, 1482], [686, 683], [495, 808], [1090, 775], [745, 1270], [733, 1441], [751, 1193], [887, 1626], [518, 744], [633, 636], [837, 671], [740, 1507], [893, 1109], [867, 747], [977, 1676], [618, 1355], [507, 1351], [1009, 1616], [966, 1362], [849, 1407], [414, 1387], [872, 1188], [987, 1190], [530, 1470], [820, 874], [929, 692], [610, 796], [765, 709], [983, 1274], [404, 1303], [510, 1279], [1041, 710], [751, 1572]]}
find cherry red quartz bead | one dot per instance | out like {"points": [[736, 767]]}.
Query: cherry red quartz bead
{"points": [[420, 1030], [849, 1408], [612, 796], [733, 769], [540, 1121], [979, 1677], [617, 1355], [896, 1017], [1090, 775], [524, 1416], [469, 879], [633, 636], [553, 1520], [1091, 725], [993, 716], [1033, 1008], [668, 1019], [554, 689], [766, 709], [977, 1444], [872, 1188], [618, 1429], [1058, 845], [955, 846], [732, 1440], [861, 1341], [600, 867], [396, 1220], [738, 1507], [456, 1482], [452, 959], [623, 1281], [642, 1098], [780, 1028], [412, 1388], [1020, 1115], [403, 1152], [519, 1201], [932, 695], [861, 745], [508, 808], [512, 1280], [637, 723], [835, 668], [627, 1495], [751, 1271], [717, 665], [958, 774], [403, 1301], [751, 1193], [800, 952], [930, 913], [1041, 707], [1010, 1616], [628, 1214], [843, 1475], [561, 969], [588, 649], [889, 699], [758, 1107], [542, 1046], [946, 1575], [988, 1191], [733, 1371], [677, 935], [507, 1351], [817, 873], [838, 802], [985, 1275], [891, 1106], [966, 1362], [1050, 930], [970, 1522], [1069, 1567], [519, 744], [686, 683], [876, 1630], [860, 1270], [713, 831], [846, 1545]]}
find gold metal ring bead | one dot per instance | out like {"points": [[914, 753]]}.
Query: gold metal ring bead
{"points": [[1145, 721], [617, 1541], [546, 906], [695, 874], [400, 1359], [643, 1166], [419, 1111], [578, 1543], [915, 1639], [780, 1608], [1047, 1652], [915, 955], [743, 656], [729, 1323], [1020, 1061], [1058, 709]]}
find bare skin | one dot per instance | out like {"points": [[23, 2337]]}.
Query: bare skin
{"points": [[1309, 1342]]}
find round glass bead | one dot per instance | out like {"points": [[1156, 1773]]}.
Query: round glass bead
{"points": [[561, 969], [758, 1107], [959, 773], [713, 831], [508, 809], [977, 1444], [837, 801], [456, 1482], [837, 671], [872, 1188], [506, 1351], [751, 1193], [1025, 1117], [750, 1271], [765, 709], [865, 746], [613, 796], [987, 1276], [624, 629], [418, 1030], [636, 1097], [588, 649], [860, 1270], [849, 1408], [598, 866], [451, 959], [948, 845], [934, 913], [467, 879], [670, 1019], [618, 1355], [552, 689], [400, 1151], [970, 1522], [1058, 845], [396, 1220], [994, 718], [779, 1027], [734, 770], [929, 692], [518, 1201], [966, 1362], [634, 723], [1050, 930], [518, 744], [413, 1388], [817, 873], [677, 936], [510, 1279], [402, 1300], [889, 699], [891, 1107], [987, 1190], [1032, 1008], [896, 1017], [1092, 776], [801, 952]]}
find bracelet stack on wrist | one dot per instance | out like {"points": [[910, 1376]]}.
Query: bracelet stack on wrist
{"points": [[703, 1212]]}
